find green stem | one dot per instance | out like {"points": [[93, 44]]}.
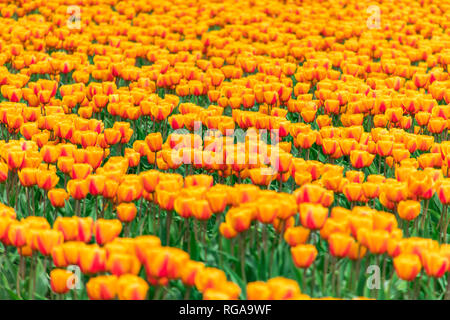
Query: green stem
{"points": [[242, 251], [168, 223], [325, 271], [19, 271]]}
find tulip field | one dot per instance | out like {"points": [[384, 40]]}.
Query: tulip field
{"points": [[222, 150]]}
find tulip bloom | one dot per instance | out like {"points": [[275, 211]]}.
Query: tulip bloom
{"points": [[107, 230], [85, 228], [258, 290], [209, 278], [190, 271], [408, 209], [27, 176], [420, 184], [353, 191], [309, 193], [102, 288], [112, 136], [239, 219], [377, 241], [61, 280], [407, 266], [435, 263], [150, 180], [47, 240], [201, 209], [129, 191], [80, 170], [96, 184], [121, 263], [217, 201], [46, 179], [59, 260], [303, 255], [227, 230], [110, 189], [444, 192], [126, 212], [131, 287], [17, 234], [361, 159], [313, 216], [296, 235], [283, 288], [340, 244], [15, 159], [78, 188], [92, 259], [154, 141], [71, 251], [68, 226], [58, 197], [266, 211]]}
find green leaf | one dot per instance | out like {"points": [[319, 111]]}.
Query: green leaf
{"points": [[10, 292], [236, 279], [42, 280]]}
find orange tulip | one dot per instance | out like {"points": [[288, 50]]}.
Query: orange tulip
{"points": [[361, 159], [107, 230], [377, 241], [340, 244], [239, 219], [60, 280], [85, 229], [47, 240], [126, 212], [435, 263], [27, 176], [444, 192], [420, 184], [227, 230], [190, 271], [15, 159], [102, 288], [303, 255], [154, 141], [312, 216], [46, 179], [267, 212], [78, 188], [296, 235], [17, 234], [258, 290], [58, 197], [131, 287], [408, 209], [121, 263], [80, 170], [353, 191], [407, 266], [92, 259], [201, 209]]}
